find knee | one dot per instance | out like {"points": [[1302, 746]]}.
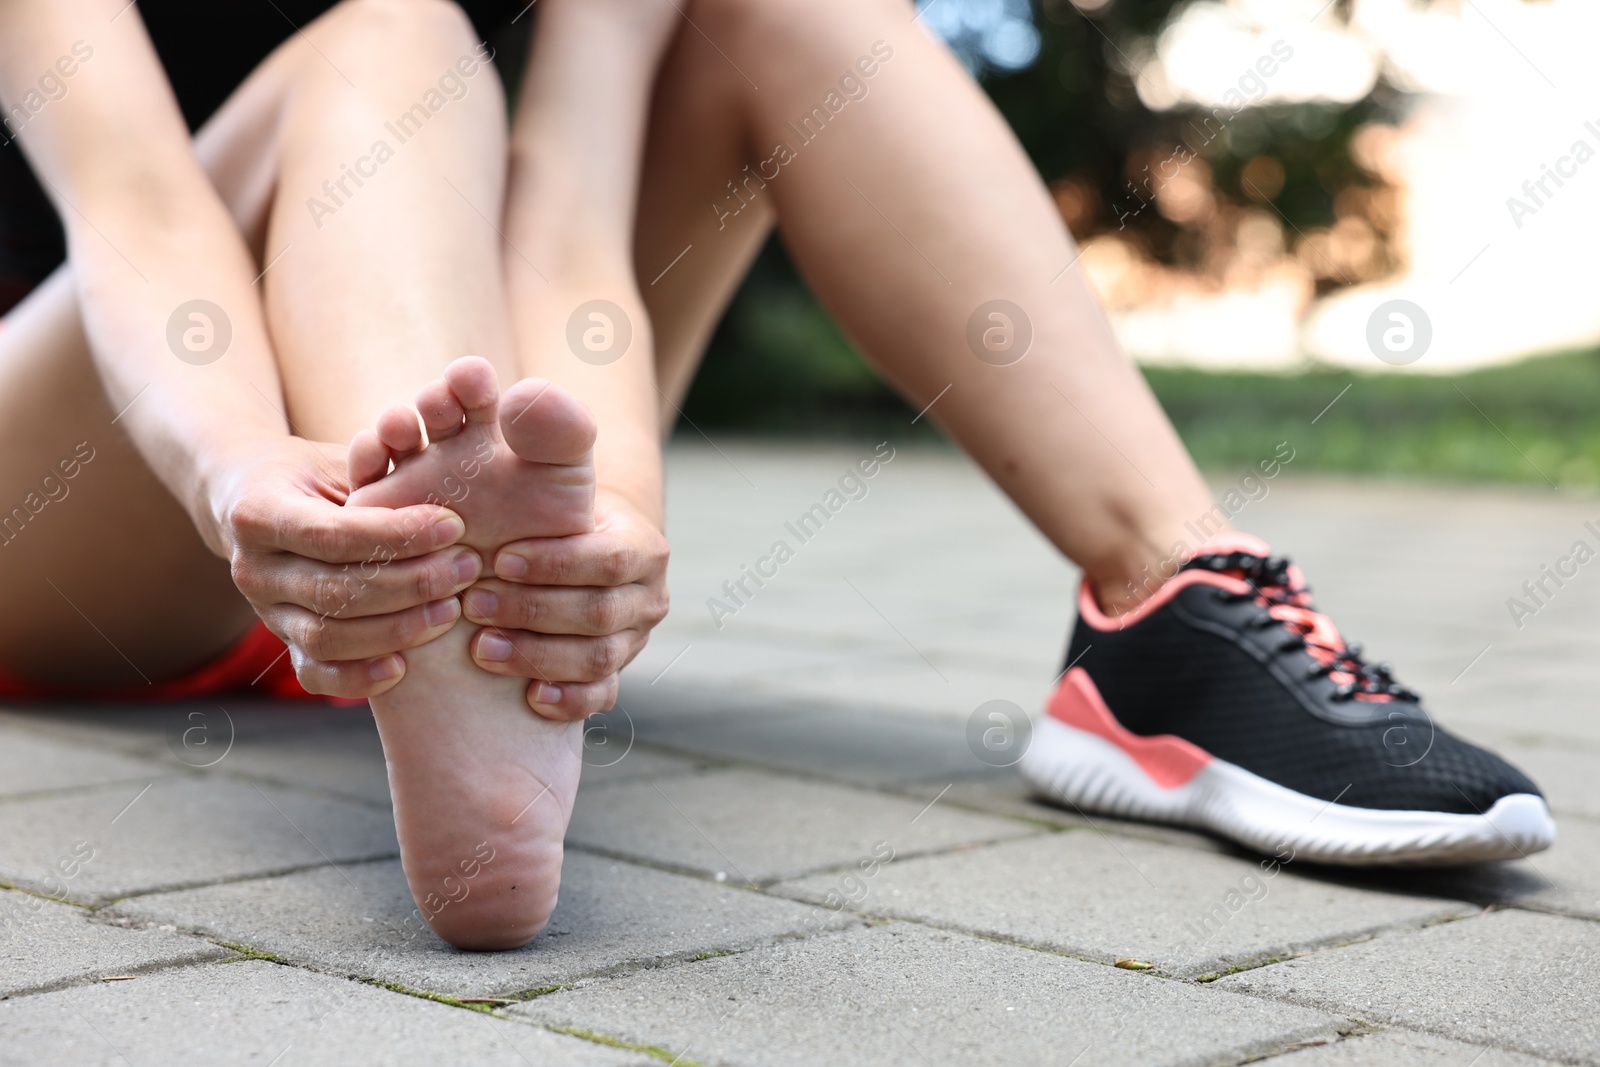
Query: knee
{"points": [[404, 23], [782, 23], [417, 48]]}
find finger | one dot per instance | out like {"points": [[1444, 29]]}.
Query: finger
{"points": [[554, 658], [572, 700], [357, 590], [353, 680], [589, 611], [328, 639], [320, 529], [600, 558]]}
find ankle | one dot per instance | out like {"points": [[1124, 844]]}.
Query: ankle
{"points": [[1123, 585]]}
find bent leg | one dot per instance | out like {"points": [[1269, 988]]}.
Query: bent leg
{"points": [[390, 182], [380, 269], [107, 580], [907, 204]]}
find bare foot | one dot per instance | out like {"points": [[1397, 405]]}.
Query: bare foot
{"points": [[482, 787]]}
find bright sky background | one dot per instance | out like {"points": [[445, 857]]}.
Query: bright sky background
{"points": [[1503, 88]]}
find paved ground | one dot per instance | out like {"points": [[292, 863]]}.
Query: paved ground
{"points": [[786, 853]]}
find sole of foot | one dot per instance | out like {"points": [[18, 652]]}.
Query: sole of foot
{"points": [[482, 786]]}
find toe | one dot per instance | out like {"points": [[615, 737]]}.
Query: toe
{"points": [[368, 459], [441, 412], [543, 423], [477, 390], [400, 432]]}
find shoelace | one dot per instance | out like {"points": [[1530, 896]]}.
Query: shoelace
{"points": [[1276, 586]]}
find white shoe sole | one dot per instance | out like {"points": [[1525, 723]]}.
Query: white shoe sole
{"points": [[1076, 768]]}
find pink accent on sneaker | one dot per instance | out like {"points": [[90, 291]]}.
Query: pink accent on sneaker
{"points": [[1222, 543], [1089, 608], [1169, 761]]}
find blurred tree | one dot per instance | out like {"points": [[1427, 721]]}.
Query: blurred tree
{"points": [[1063, 73]]}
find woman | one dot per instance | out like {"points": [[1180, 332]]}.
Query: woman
{"points": [[353, 218]]}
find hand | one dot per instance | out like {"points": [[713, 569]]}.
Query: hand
{"points": [[571, 612], [346, 588]]}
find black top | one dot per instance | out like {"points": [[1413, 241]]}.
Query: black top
{"points": [[208, 49]]}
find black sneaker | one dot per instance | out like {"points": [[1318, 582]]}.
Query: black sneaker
{"points": [[1226, 702]]}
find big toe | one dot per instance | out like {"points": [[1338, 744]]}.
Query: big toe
{"points": [[543, 423]]}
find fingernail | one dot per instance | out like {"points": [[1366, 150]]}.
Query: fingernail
{"points": [[494, 648], [508, 565], [546, 694], [448, 531], [482, 604], [466, 567], [384, 669], [442, 611]]}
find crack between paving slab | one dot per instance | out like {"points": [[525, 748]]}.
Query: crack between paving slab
{"points": [[764, 885], [621, 970], [100, 905], [252, 778], [177, 770], [84, 981], [1265, 958], [653, 1051], [421, 994], [67, 792], [1352, 1028], [1331, 1008]]}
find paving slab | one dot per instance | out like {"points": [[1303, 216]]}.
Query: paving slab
{"points": [[181, 831], [746, 826], [360, 920], [343, 758], [31, 762], [45, 944], [253, 1012], [1105, 898], [1513, 979], [1402, 1048], [615, 760], [1002, 791], [847, 744], [905, 994]]}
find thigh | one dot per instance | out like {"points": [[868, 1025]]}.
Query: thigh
{"points": [[702, 217], [105, 580]]}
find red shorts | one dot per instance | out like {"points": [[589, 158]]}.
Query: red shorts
{"points": [[257, 665]]}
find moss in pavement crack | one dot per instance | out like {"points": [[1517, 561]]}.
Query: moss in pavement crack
{"points": [[656, 1051], [423, 994]]}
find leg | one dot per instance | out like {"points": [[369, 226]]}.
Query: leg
{"points": [[906, 210], [144, 604], [393, 264], [151, 602], [402, 276]]}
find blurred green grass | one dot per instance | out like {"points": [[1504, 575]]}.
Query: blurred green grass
{"points": [[778, 366], [1532, 422]]}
